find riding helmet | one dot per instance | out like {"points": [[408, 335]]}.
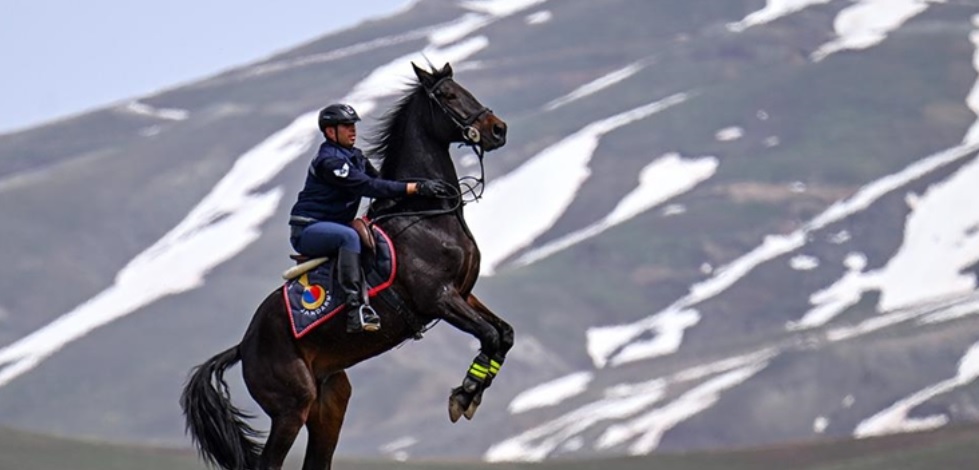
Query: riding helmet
{"points": [[338, 113]]}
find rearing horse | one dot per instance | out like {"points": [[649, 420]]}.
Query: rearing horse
{"points": [[302, 382]]}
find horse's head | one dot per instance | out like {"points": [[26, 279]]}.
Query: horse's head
{"points": [[466, 119]]}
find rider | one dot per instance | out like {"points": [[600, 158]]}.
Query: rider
{"points": [[338, 177]]}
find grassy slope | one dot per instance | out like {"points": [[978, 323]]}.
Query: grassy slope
{"points": [[947, 448]]}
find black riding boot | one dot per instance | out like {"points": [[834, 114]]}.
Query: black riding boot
{"points": [[361, 317]]}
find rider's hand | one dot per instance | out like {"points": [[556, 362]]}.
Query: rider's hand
{"points": [[433, 188]]}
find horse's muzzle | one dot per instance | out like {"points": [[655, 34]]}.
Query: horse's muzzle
{"points": [[496, 137]]}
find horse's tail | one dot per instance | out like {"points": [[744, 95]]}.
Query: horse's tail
{"points": [[217, 428]]}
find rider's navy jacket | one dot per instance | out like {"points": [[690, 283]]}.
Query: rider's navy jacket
{"points": [[337, 178]]}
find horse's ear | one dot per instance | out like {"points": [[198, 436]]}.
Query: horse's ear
{"points": [[423, 76], [446, 70]]}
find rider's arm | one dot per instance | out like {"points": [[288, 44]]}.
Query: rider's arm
{"points": [[338, 171], [372, 172]]}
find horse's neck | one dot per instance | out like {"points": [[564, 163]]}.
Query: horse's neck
{"points": [[422, 158]]}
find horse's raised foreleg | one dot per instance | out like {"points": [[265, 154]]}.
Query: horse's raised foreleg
{"points": [[469, 317], [325, 420], [506, 342]]}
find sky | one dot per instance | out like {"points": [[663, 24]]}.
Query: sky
{"points": [[62, 57]]}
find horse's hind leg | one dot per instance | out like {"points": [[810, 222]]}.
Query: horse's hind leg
{"points": [[282, 384], [325, 420]]}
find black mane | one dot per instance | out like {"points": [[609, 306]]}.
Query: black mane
{"points": [[389, 135]]}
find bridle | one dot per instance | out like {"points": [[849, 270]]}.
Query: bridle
{"points": [[463, 123], [471, 136]]}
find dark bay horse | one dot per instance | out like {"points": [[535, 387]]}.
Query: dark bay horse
{"points": [[302, 382]]}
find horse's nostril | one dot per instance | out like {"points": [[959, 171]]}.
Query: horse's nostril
{"points": [[499, 130]]}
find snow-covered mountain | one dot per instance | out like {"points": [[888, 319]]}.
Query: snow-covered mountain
{"points": [[716, 224]]}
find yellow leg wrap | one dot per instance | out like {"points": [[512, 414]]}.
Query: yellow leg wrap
{"points": [[478, 371]]}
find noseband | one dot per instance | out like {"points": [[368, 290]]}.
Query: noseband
{"points": [[464, 123]]}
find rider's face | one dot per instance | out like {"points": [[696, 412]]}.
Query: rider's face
{"points": [[346, 134]]}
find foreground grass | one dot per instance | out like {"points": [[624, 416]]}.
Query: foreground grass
{"points": [[23, 451], [951, 448]]}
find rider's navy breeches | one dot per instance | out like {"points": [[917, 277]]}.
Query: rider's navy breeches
{"points": [[324, 239]]}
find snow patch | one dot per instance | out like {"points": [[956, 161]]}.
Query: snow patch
{"points": [[833, 300], [820, 424], [867, 23], [551, 393], [540, 17], [169, 114], [398, 449], [458, 29], [674, 209], [839, 238], [499, 8], [972, 100], [773, 10], [804, 263], [729, 134], [596, 85], [895, 419]]}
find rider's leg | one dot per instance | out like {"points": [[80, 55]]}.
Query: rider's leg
{"points": [[361, 316], [325, 238], [321, 239]]}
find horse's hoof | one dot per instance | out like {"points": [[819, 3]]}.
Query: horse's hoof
{"points": [[473, 405], [459, 402], [470, 412], [455, 410]]}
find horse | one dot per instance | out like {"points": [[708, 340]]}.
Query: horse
{"points": [[303, 382]]}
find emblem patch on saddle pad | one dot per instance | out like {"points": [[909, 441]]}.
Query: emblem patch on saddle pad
{"points": [[312, 298]]}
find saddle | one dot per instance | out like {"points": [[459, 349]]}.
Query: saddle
{"points": [[305, 264], [309, 286]]}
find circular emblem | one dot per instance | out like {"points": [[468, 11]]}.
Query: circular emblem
{"points": [[313, 297]]}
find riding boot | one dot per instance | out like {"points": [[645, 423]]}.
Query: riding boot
{"points": [[361, 317]]}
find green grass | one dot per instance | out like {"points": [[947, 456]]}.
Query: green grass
{"points": [[24, 451], [950, 448]]}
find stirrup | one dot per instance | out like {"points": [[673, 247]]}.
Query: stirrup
{"points": [[363, 319]]}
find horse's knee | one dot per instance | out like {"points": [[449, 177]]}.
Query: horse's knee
{"points": [[490, 340], [506, 338]]}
